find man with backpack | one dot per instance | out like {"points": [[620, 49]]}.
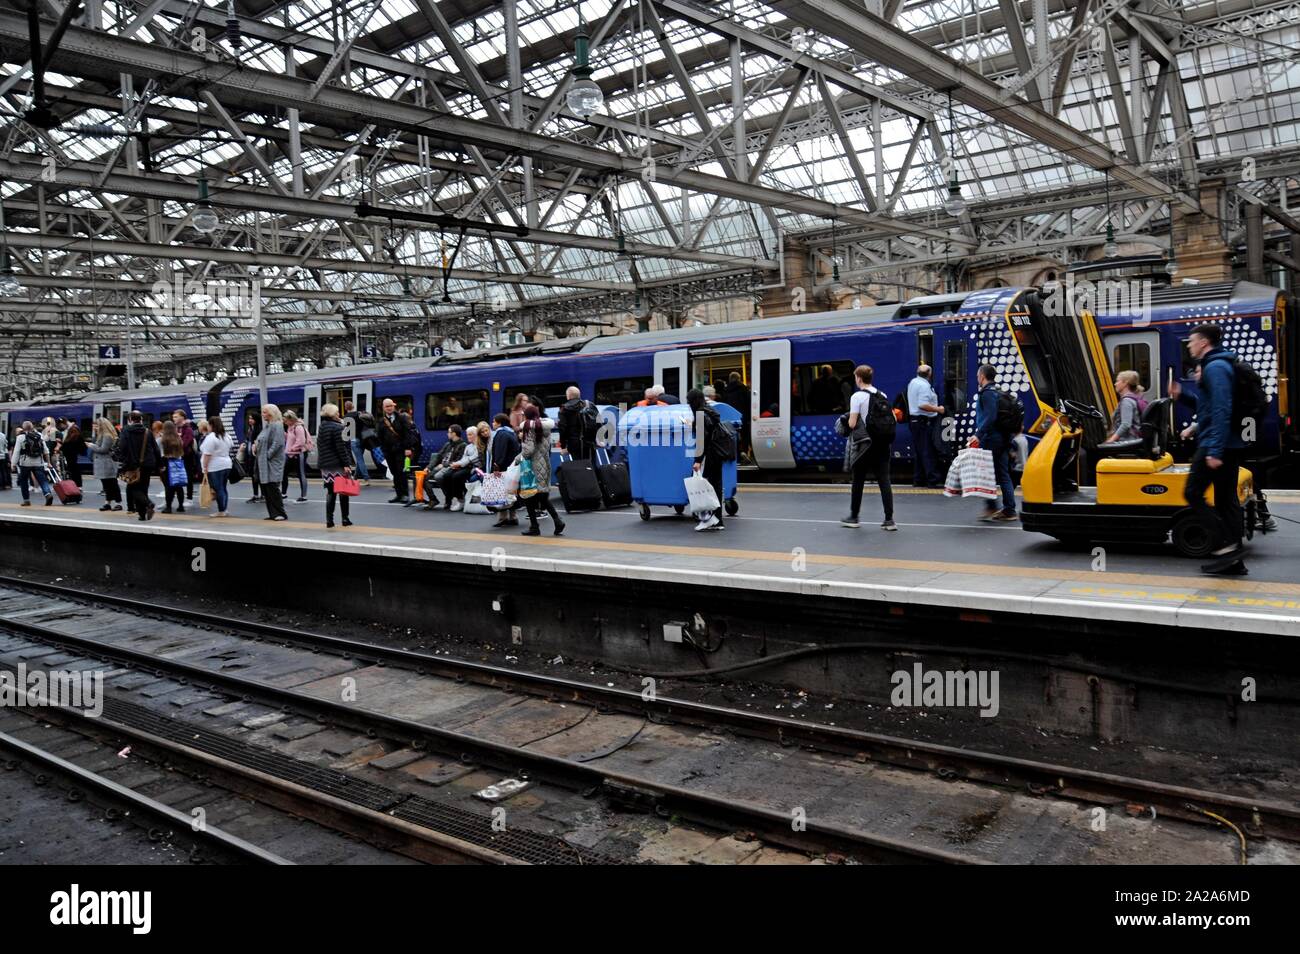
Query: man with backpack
{"points": [[579, 424], [870, 412], [998, 417], [1230, 403], [30, 458]]}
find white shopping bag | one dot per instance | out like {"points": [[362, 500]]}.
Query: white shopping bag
{"points": [[700, 496], [978, 478], [512, 479]]}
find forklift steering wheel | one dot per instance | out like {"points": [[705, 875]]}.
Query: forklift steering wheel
{"points": [[1079, 411]]}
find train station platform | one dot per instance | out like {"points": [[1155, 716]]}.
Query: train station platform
{"points": [[785, 545]]}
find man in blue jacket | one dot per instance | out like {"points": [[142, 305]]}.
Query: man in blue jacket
{"points": [[1218, 452], [993, 439]]}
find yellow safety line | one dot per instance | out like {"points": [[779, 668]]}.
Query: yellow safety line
{"points": [[1150, 581]]}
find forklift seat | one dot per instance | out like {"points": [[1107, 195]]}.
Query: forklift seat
{"points": [[1150, 445]]}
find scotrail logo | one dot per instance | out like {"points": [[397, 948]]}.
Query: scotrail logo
{"points": [[56, 688], [1131, 299], [76, 907]]}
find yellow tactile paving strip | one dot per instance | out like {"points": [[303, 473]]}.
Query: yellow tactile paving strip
{"points": [[1147, 581]]}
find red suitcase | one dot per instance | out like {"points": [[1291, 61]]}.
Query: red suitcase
{"points": [[67, 491]]}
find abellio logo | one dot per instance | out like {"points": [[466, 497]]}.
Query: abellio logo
{"points": [[76, 907]]}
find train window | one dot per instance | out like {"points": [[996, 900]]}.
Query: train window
{"points": [[1189, 363], [925, 346], [286, 408], [551, 395], [954, 377], [465, 408], [623, 391], [87, 426], [822, 388], [1135, 356], [769, 387]]}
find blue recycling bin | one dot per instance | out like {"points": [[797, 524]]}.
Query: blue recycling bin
{"points": [[660, 447]]}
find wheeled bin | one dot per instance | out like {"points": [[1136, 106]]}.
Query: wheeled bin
{"points": [[660, 447]]}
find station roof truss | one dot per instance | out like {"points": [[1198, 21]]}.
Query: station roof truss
{"points": [[409, 171]]}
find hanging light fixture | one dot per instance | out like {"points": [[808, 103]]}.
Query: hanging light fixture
{"points": [[800, 40], [584, 96], [1111, 248], [954, 205], [1171, 264], [835, 255], [623, 261], [204, 218], [232, 26]]}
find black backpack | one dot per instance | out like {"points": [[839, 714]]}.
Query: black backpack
{"points": [[1249, 400], [33, 445], [881, 423], [589, 417], [722, 441], [1011, 414]]}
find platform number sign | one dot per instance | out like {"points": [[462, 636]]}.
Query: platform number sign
{"points": [[370, 351], [110, 352], [437, 351]]}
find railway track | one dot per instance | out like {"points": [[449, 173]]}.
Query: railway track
{"points": [[1254, 817]]}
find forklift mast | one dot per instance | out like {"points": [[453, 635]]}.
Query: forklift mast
{"points": [[1062, 353]]}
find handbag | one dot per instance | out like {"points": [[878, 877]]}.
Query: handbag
{"points": [[700, 495], [527, 480], [494, 492], [236, 472], [346, 486]]}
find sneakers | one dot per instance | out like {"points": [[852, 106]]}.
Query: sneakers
{"points": [[25, 503], [347, 522], [559, 528], [106, 507], [988, 515], [708, 522], [117, 506], [889, 525], [1003, 517], [851, 522], [456, 505], [301, 500], [397, 500], [49, 500]]}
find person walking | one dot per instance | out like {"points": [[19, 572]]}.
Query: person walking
{"points": [[1219, 449], [333, 459], [252, 427], [995, 437], [923, 414], [30, 457], [707, 462], [297, 444], [137, 452], [398, 437], [503, 448], [269, 451], [352, 424], [74, 445], [174, 485], [535, 447], [215, 453], [871, 412], [103, 467]]}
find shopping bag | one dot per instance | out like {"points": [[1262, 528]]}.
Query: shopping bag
{"points": [[511, 478], [205, 493], [527, 479], [978, 478], [177, 475], [420, 477], [474, 499], [346, 486], [952, 486], [700, 497], [494, 492]]}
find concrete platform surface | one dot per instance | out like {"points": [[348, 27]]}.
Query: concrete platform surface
{"points": [[788, 539]]}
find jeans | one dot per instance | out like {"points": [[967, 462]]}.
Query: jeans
{"points": [[1226, 514], [1002, 473], [359, 455], [220, 492], [925, 469], [299, 463], [876, 464], [39, 474]]}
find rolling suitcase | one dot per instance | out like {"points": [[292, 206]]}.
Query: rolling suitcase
{"points": [[64, 488], [579, 486], [615, 481]]}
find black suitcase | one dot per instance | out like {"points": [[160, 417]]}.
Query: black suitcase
{"points": [[579, 486], [615, 481]]}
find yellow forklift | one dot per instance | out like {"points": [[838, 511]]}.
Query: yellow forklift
{"points": [[1137, 495]]}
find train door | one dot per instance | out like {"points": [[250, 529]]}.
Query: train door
{"points": [[670, 371], [97, 410], [4, 424], [116, 411], [311, 402], [770, 408], [363, 395], [1138, 351]]}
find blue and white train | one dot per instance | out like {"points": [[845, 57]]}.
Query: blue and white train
{"points": [[798, 368]]}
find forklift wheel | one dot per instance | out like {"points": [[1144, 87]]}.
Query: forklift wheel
{"points": [[1193, 536], [732, 507], [645, 511], [679, 509]]}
